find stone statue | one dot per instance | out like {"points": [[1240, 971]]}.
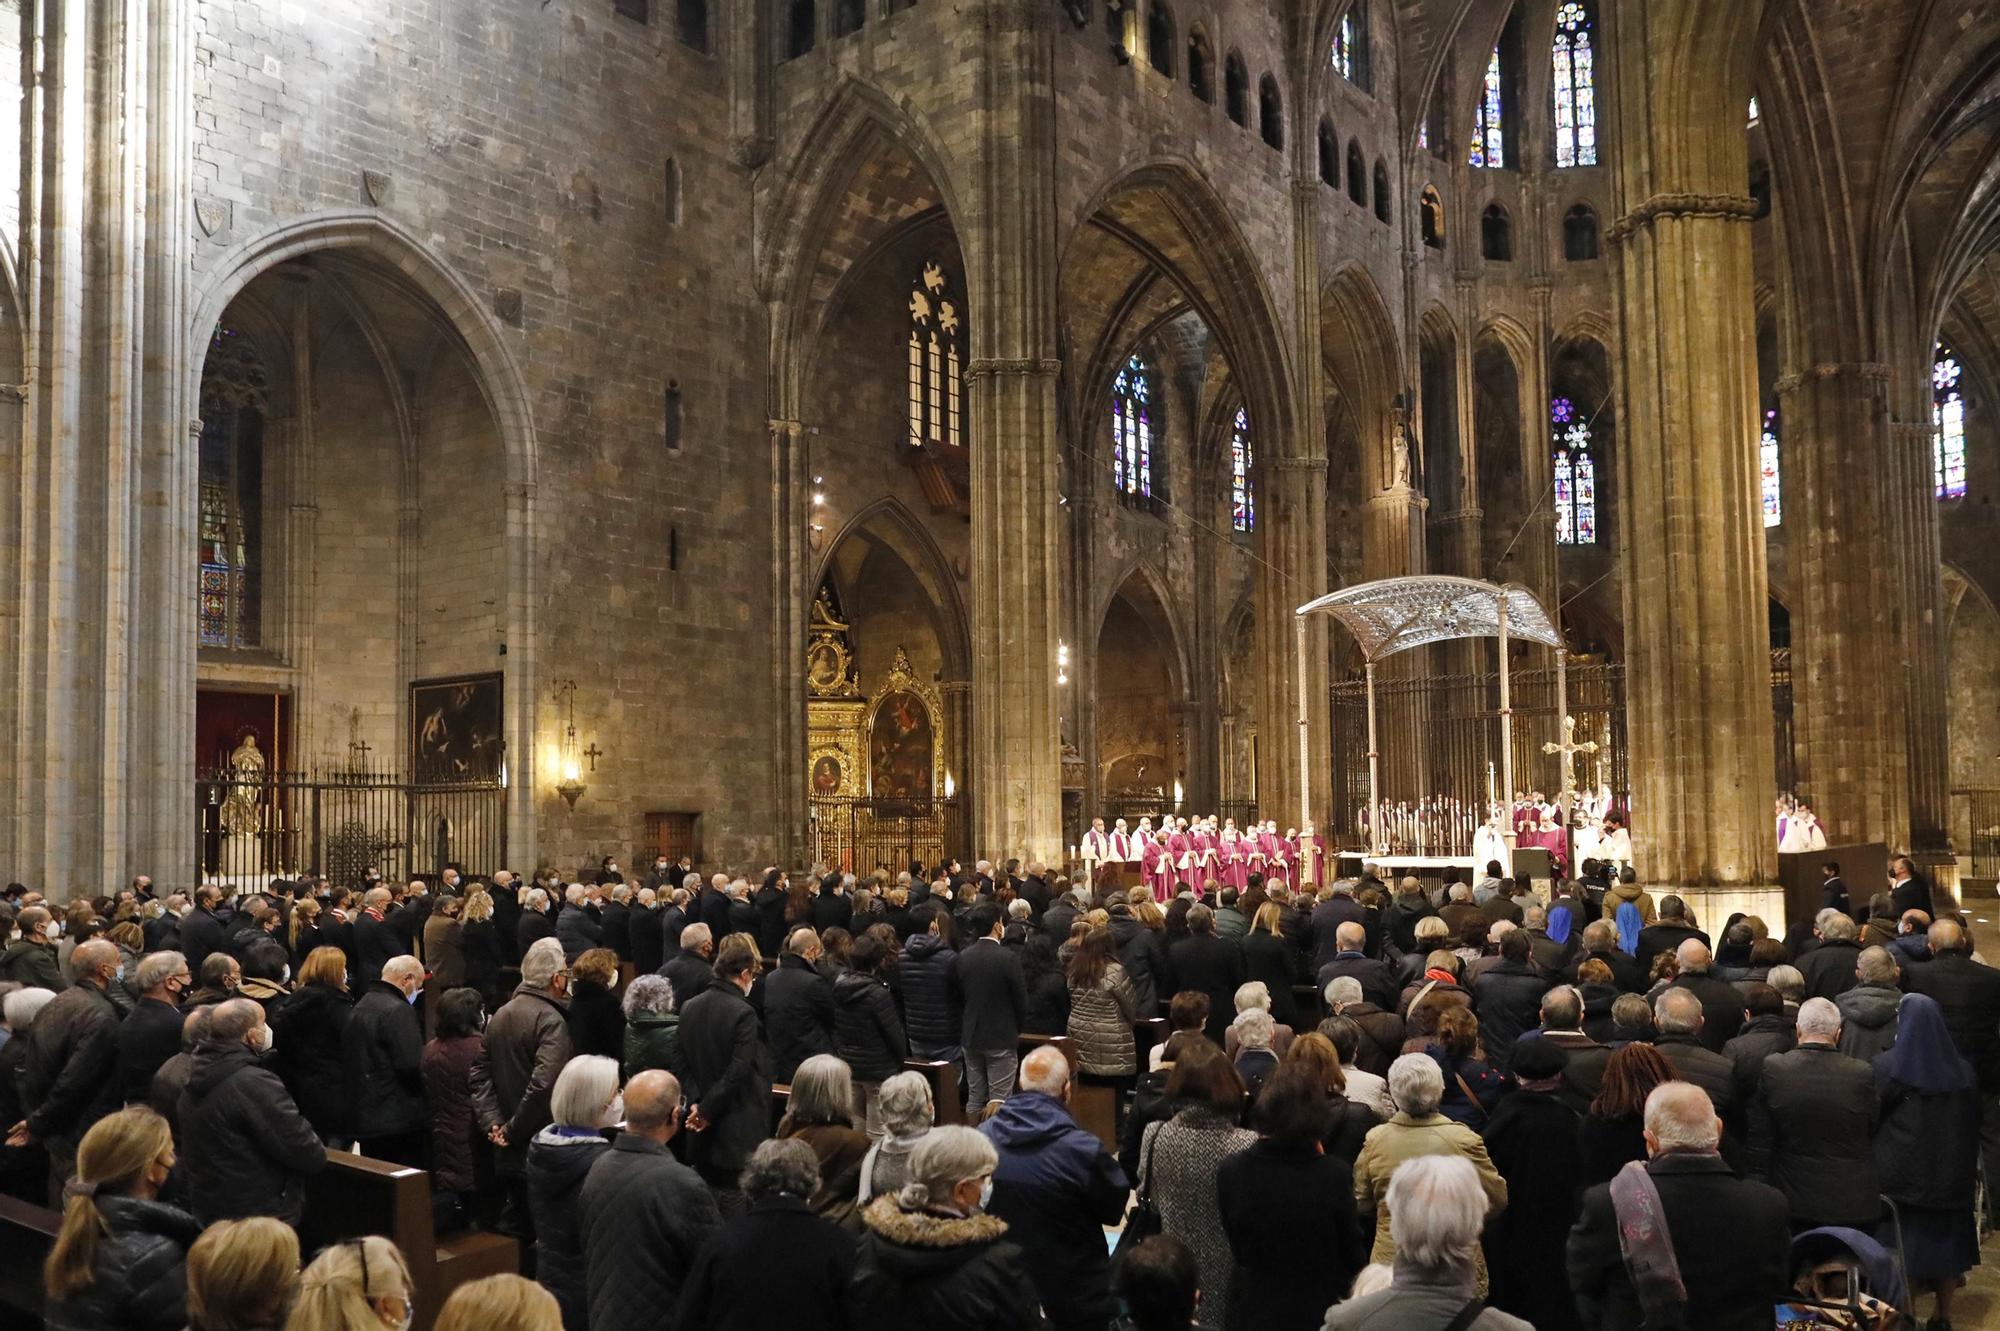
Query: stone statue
{"points": [[246, 769], [1399, 463]]}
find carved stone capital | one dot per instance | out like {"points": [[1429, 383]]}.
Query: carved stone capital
{"points": [[1297, 464], [1725, 207], [1868, 372], [995, 366]]}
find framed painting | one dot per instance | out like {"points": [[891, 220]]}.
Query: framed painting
{"points": [[456, 729]]}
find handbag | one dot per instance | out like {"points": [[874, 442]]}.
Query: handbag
{"points": [[1143, 1221]]}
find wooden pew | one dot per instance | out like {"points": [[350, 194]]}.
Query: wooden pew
{"points": [[27, 1232], [1095, 1108], [943, 1078], [355, 1195]]}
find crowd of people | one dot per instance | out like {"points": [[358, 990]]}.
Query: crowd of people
{"points": [[702, 1102]]}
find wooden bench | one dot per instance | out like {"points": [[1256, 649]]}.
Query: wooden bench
{"points": [[27, 1232], [355, 1195], [943, 1078]]}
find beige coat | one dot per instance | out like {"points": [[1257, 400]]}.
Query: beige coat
{"points": [[1405, 1138]]}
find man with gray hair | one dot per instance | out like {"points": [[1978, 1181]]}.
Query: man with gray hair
{"points": [[382, 1052], [521, 1054], [1437, 1208], [1056, 1187], [1829, 967], [643, 1215], [1677, 1015], [689, 970], [246, 1146], [1721, 1001], [1868, 1010], [1729, 1235], [535, 923], [151, 1034], [1812, 1126], [69, 1074]]}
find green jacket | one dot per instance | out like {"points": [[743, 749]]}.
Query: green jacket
{"points": [[33, 965], [652, 1040]]}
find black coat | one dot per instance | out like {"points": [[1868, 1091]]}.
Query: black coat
{"points": [[1696, 1062], [1378, 983], [1268, 957], [832, 911], [928, 975], [1969, 993], [558, 1163], [995, 996], [645, 1218], [69, 1077], [1144, 957], [1913, 893], [201, 934], [1507, 999], [596, 1023], [798, 1015], [578, 929], [1205, 962], [147, 1038], [1625, 972], [1812, 1129], [726, 1072], [649, 950], [915, 1271], [480, 941], [1532, 1140], [138, 1280], [1057, 919], [689, 973], [1294, 1234], [769, 904], [1605, 1145], [867, 1033], [1927, 1146], [1760, 1038], [1327, 917], [383, 1050], [1829, 968], [1663, 937], [1721, 1007], [246, 1147], [1733, 1231], [617, 927], [1048, 1004], [376, 943], [507, 919], [819, 1264], [532, 928], [311, 1057]]}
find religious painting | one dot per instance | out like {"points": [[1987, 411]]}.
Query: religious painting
{"points": [[826, 775], [902, 747], [456, 729]]}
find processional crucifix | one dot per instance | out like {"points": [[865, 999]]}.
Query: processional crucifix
{"points": [[1569, 748]]}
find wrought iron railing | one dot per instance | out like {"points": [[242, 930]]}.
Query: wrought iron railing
{"points": [[863, 835]]}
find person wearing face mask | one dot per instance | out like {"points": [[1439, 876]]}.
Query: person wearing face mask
{"points": [[586, 1099], [930, 1258], [118, 1258], [152, 1033], [69, 1076], [357, 1285], [525, 1047], [30, 960], [311, 1057], [248, 1147], [384, 1056]]}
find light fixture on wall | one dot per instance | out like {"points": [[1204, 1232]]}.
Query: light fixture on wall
{"points": [[949, 788], [1178, 793], [570, 759], [1062, 663]]}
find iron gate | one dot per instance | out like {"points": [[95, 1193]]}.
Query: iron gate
{"points": [[863, 835]]}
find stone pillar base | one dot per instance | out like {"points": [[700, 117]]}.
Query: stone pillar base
{"points": [[1712, 906]]}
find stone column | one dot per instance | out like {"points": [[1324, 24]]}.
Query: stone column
{"points": [[1693, 554], [1848, 671], [1011, 259], [106, 618], [792, 559], [1913, 541]]}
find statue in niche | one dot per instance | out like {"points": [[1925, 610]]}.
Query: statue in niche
{"points": [[240, 810], [1399, 462]]}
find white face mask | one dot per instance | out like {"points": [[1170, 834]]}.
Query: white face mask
{"points": [[986, 1192], [286, 978], [616, 1114], [270, 1041]]}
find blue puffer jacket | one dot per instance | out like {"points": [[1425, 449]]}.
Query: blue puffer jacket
{"points": [[927, 976], [1057, 1187]]}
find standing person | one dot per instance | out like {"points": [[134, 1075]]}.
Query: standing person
{"points": [[247, 1147], [726, 1067], [242, 1274], [116, 1264], [931, 1259], [820, 1113], [456, 1143], [644, 1216], [1927, 1151], [596, 1024], [524, 1050], [1532, 1141], [480, 941], [867, 1032], [444, 945], [995, 997], [652, 1027], [1101, 1011], [1179, 1160], [201, 929], [907, 1114], [1203, 961], [1269, 958], [1968, 994], [30, 960], [1908, 889], [1287, 1207], [152, 1033], [376, 937], [688, 970], [69, 1072], [311, 1056], [535, 922], [384, 1060], [1613, 1133], [927, 976], [561, 1156], [818, 1255], [1812, 1126], [1729, 1235], [798, 1005], [1056, 1187]]}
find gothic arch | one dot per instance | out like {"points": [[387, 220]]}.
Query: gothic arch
{"points": [[1364, 358], [1140, 584], [890, 523]]}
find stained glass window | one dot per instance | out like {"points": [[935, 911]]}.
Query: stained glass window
{"points": [[1242, 491], [228, 582], [936, 334], [1489, 142], [1576, 88], [1349, 54], [1132, 429], [1753, 110], [1948, 407], [1767, 461], [1575, 472]]}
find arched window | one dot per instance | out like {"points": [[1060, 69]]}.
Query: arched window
{"points": [[802, 28], [1381, 191], [937, 334], [1489, 139], [1201, 66], [1580, 233], [849, 16], [1160, 38], [1357, 173], [1575, 86], [1948, 407], [1575, 475], [1431, 217], [229, 585], [1349, 53], [1329, 154], [1767, 464], [1133, 430], [1431, 134], [1271, 111], [1236, 89], [691, 23], [1242, 488], [1496, 234]]}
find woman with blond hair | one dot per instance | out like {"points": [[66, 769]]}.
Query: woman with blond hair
{"points": [[356, 1285], [500, 1303], [479, 939], [310, 1028], [302, 933], [241, 1275], [117, 1259]]}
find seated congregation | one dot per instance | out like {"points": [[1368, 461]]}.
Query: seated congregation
{"points": [[986, 1097]]}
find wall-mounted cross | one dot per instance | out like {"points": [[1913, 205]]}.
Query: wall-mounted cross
{"points": [[593, 753]]}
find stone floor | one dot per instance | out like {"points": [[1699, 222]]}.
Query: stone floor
{"points": [[1978, 1304]]}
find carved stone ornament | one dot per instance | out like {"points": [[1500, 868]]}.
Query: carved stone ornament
{"points": [[507, 304], [212, 215], [377, 185]]}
